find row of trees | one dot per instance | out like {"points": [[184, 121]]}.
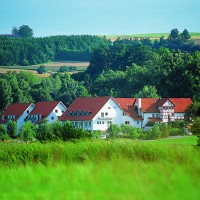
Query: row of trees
{"points": [[31, 51], [26, 87], [42, 132]]}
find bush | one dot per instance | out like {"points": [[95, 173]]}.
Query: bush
{"points": [[45, 132], [113, 130], [195, 129], [41, 69], [164, 129], [176, 131], [3, 134], [129, 131], [96, 134], [28, 131], [12, 129]]}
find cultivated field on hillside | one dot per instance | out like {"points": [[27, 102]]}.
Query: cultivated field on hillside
{"points": [[152, 36], [50, 67], [100, 169]]}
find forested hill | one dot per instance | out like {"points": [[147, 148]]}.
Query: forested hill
{"points": [[165, 68], [31, 51], [126, 68]]}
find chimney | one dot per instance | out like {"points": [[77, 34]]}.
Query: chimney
{"points": [[139, 103]]}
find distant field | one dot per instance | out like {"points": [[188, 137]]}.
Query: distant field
{"points": [[51, 67], [152, 36]]}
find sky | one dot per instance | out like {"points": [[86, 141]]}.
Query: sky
{"points": [[99, 17]]}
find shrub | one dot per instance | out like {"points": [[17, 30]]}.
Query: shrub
{"points": [[113, 130], [44, 132], [164, 129], [12, 129], [176, 131], [195, 129], [28, 131], [130, 131], [57, 130], [96, 134], [3, 134]]}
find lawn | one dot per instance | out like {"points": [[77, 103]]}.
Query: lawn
{"points": [[100, 169]]}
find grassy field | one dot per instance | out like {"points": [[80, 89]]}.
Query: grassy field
{"points": [[152, 36], [104, 169], [50, 67]]}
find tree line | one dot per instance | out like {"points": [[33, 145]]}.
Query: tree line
{"points": [[132, 68], [31, 51], [25, 87]]}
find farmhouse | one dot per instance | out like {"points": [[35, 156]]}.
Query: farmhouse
{"points": [[46, 110], [145, 110], [94, 113], [16, 112], [97, 113]]}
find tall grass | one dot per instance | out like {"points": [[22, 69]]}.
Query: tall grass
{"points": [[80, 151], [104, 169]]}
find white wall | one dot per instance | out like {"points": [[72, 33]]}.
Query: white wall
{"points": [[53, 116], [114, 115], [20, 120]]}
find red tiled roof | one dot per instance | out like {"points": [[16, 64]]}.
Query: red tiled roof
{"points": [[16, 109], [44, 108], [127, 104], [89, 104], [180, 104], [149, 105]]}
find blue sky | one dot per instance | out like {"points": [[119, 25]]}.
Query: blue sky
{"points": [[99, 17]]}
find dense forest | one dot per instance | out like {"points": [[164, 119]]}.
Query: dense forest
{"points": [[125, 68], [31, 51]]}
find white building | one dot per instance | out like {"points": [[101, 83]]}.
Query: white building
{"points": [[97, 113], [94, 113], [161, 110], [50, 111], [16, 112]]}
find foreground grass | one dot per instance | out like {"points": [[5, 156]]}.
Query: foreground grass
{"points": [[113, 169]]}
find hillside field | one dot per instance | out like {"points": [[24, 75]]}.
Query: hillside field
{"points": [[101, 169], [51, 67], [152, 36]]}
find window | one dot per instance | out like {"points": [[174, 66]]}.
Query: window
{"points": [[90, 124], [86, 124], [106, 114], [172, 114], [153, 115], [137, 122], [102, 115], [157, 115], [127, 122], [27, 111], [52, 118], [56, 111], [102, 122], [108, 107]]}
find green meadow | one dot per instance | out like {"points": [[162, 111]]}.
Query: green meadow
{"points": [[101, 169]]}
